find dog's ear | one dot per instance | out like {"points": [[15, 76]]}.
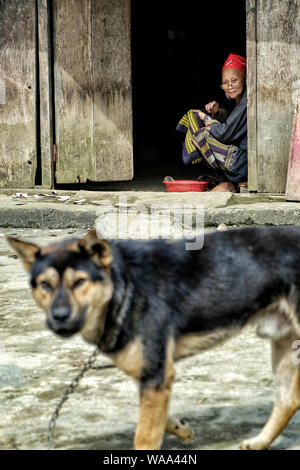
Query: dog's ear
{"points": [[26, 251], [98, 250]]}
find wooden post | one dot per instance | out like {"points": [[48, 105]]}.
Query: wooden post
{"points": [[44, 48], [251, 91]]}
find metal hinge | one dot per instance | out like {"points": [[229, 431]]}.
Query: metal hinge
{"points": [[54, 154]]}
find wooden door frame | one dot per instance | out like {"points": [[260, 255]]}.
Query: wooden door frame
{"points": [[44, 66], [93, 105], [251, 41]]}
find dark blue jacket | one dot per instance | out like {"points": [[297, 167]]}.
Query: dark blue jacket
{"points": [[234, 131]]}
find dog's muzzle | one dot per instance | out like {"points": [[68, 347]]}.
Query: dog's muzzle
{"points": [[60, 318], [63, 325]]}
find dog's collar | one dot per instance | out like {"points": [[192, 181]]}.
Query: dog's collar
{"points": [[114, 320]]}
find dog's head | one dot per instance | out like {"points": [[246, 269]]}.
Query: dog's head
{"points": [[71, 281]]}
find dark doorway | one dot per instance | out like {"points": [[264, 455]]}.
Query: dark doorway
{"points": [[178, 50]]}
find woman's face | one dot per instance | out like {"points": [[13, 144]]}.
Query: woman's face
{"points": [[233, 83]]}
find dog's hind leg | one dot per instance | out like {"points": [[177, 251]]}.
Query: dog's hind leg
{"points": [[287, 400], [180, 429]]}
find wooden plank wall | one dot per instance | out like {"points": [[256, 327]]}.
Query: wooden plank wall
{"points": [[278, 65], [18, 113], [93, 90]]}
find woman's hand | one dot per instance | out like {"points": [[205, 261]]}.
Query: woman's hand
{"points": [[212, 107], [201, 113]]}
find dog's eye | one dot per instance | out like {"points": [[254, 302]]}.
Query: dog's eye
{"points": [[46, 286], [78, 283]]}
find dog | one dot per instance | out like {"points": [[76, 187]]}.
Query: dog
{"points": [[147, 304]]}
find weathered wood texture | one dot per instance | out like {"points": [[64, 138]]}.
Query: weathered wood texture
{"points": [[18, 113], [251, 90], [293, 178], [111, 81], [46, 131], [73, 94], [93, 90], [278, 65]]}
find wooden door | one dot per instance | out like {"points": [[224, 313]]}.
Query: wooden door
{"points": [[93, 111], [18, 94]]}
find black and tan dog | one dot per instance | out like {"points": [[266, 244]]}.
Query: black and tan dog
{"points": [[147, 304]]}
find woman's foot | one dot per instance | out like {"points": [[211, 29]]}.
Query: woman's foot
{"points": [[226, 186]]}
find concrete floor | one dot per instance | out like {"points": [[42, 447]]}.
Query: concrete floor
{"points": [[145, 179]]}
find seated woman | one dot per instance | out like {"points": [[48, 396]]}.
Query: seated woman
{"points": [[219, 139]]}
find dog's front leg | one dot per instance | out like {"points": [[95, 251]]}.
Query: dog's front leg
{"points": [[153, 415]]}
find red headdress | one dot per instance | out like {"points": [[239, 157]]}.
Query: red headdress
{"points": [[235, 61]]}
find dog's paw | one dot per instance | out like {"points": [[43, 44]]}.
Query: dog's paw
{"points": [[255, 443], [180, 429]]}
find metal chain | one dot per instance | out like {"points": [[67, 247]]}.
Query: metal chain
{"points": [[70, 389]]}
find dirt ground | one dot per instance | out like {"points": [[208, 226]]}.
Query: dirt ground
{"points": [[225, 394]]}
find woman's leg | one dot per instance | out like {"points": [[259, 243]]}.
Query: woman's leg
{"points": [[217, 179]]}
